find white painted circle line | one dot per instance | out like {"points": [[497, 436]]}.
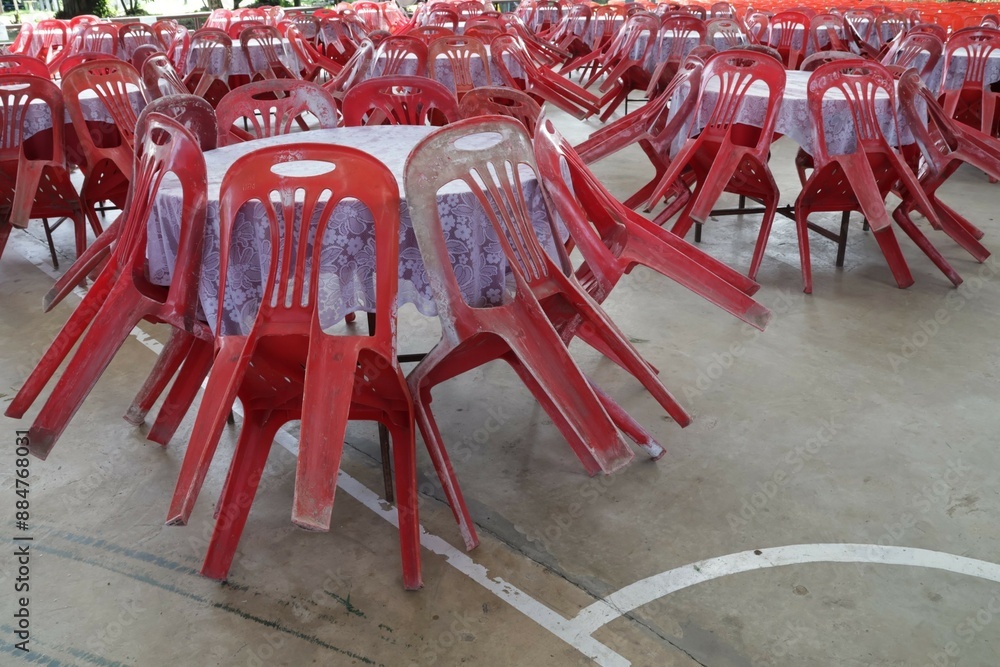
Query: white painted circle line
{"points": [[651, 588]]}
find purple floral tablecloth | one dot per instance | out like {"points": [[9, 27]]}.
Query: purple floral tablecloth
{"points": [[347, 267]]}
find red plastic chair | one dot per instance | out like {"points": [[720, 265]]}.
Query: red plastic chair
{"points": [[52, 39], [198, 117], [654, 127], [539, 82], [133, 35], [271, 107], [371, 14], [174, 39], [213, 56], [458, 53], [400, 54], [758, 26], [863, 22], [469, 9], [677, 30], [356, 70], [285, 366], [442, 16], [501, 101], [860, 180], [122, 295], [788, 33], [952, 23], [544, 52], [728, 156], [399, 100], [945, 145], [141, 53], [973, 104], [824, 35], [261, 45], [906, 51], [888, 28], [517, 330], [98, 38], [18, 65], [725, 30], [929, 28], [336, 39], [34, 179], [624, 63], [316, 67], [107, 147], [23, 43], [545, 16], [613, 239], [570, 34], [160, 77]]}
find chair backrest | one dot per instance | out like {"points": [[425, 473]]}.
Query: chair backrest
{"points": [[263, 48], [117, 85], [977, 44], [190, 111], [356, 69], [501, 101], [24, 42], [678, 29], [811, 62], [69, 62], [19, 65], [17, 91], [788, 33], [931, 28], [458, 53], [236, 28], [298, 208], [219, 19], [758, 25], [142, 53], [947, 20], [399, 100], [133, 35], [160, 77], [308, 25], [469, 9], [760, 48], [51, 37], [722, 10], [489, 156], [695, 10], [862, 20], [858, 82], [727, 31], [271, 107], [887, 28], [400, 53], [824, 31], [336, 39], [736, 71], [98, 38], [166, 148], [212, 51], [371, 14], [441, 16], [907, 51]]}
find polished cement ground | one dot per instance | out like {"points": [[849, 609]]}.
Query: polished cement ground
{"points": [[865, 415]]}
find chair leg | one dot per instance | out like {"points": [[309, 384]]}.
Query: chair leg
{"points": [[167, 363], [802, 228], [245, 471], [52, 245], [404, 457], [845, 222], [628, 425], [183, 392], [442, 465], [924, 244]]}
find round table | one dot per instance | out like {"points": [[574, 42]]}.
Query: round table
{"points": [[346, 272]]}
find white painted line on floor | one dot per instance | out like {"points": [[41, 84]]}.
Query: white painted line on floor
{"points": [[646, 590], [577, 631]]}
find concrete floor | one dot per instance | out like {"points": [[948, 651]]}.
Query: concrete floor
{"points": [[855, 419]]}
